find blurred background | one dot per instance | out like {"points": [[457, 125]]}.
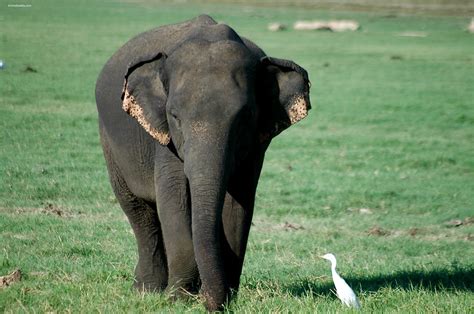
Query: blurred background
{"points": [[380, 173]]}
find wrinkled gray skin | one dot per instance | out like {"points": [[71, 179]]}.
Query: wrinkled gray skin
{"points": [[203, 105]]}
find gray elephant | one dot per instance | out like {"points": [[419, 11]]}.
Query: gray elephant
{"points": [[186, 112]]}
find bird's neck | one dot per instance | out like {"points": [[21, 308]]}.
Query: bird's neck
{"points": [[334, 273]]}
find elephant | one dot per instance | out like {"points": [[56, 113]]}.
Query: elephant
{"points": [[186, 113]]}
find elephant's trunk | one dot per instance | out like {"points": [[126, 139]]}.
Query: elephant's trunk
{"points": [[207, 166]]}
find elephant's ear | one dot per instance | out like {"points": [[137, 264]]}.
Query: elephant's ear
{"points": [[283, 96], [144, 96]]}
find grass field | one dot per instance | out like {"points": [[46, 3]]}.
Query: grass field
{"points": [[432, 7], [376, 174]]}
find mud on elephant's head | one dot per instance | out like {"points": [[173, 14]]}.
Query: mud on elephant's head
{"points": [[218, 92]]}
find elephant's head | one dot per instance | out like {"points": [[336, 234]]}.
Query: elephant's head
{"points": [[213, 102]]}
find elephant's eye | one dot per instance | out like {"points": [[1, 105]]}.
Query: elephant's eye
{"points": [[174, 115], [175, 118]]}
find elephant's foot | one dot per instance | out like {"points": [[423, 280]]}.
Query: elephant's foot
{"points": [[211, 303], [148, 283], [183, 289], [148, 286], [215, 302], [149, 276]]}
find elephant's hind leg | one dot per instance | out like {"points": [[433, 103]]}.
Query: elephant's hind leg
{"points": [[151, 273]]}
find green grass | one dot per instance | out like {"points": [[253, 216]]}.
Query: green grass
{"points": [[391, 131]]}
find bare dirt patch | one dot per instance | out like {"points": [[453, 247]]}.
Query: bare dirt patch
{"points": [[10, 279], [292, 226], [458, 222], [364, 211], [48, 208], [413, 34], [413, 231], [378, 231], [267, 226], [53, 209]]}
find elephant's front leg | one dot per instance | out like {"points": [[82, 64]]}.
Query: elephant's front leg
{"points": [[175, 216], [150, 273]]}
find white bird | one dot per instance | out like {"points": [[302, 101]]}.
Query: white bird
{"points": [[343, 291]]}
